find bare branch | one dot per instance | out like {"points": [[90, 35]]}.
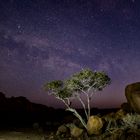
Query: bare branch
{"points": [[78, 116], [74, 112], [88, 101], [83, 104]]}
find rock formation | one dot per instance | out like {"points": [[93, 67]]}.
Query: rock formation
{"points": [[132, 93], [76, 132], [94, 125]]}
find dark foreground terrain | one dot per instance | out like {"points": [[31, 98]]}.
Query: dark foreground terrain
{"points": [[21, 135], [21, 119]]}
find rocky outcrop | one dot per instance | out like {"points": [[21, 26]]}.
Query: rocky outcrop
{"points": [[120, 114], [94, 125], [76, 131], [62, 130], [132, 93], [19, 111], [126, 107]]}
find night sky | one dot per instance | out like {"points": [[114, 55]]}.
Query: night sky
{"points": [[44, 40]]}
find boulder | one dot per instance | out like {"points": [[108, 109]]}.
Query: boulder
{"points": [[36, 126], [61, 130], [132, 93], [120, 114], [76, 131], [94, 125], [126, 107]]}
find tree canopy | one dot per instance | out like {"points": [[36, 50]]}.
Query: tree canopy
{"points": [[84, 83]]}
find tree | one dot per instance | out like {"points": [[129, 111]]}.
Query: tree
{"points": [[85, 83]]}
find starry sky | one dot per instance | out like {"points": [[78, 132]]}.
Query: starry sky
{"points": [[44, 40]]}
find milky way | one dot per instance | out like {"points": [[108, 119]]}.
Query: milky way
{"points": [[44, 40]]}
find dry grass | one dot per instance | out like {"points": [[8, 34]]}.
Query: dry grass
{"points": [[15, 135]]}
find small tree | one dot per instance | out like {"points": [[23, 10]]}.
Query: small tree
{"points": [[85, 83]]}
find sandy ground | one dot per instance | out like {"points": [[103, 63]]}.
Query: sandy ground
{"points": [[17, 135]]}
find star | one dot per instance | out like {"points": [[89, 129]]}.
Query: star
{"points": [[19, 26]]}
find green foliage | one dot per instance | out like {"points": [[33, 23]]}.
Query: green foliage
{"points": [[112, 126], [131, 121], [101, 79], [57, 88], [86, 82], [64, 93], [87, 79], [54, 85]]}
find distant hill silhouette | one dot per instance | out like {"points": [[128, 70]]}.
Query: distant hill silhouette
{"points": [[19, 111], [19, 104]]}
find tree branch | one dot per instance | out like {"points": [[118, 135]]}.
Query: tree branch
{"points": [[78, 116], [83, 104], [88, 101], [74, 112]]}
